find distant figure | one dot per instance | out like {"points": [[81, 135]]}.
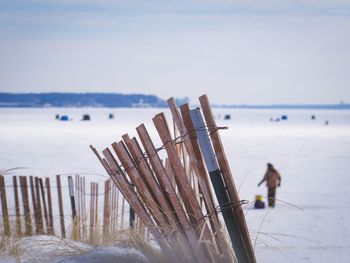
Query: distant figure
{"points": [[57, 117], [313, 117], [111, 116], [273, 179], [326, 122], [259, 203]]}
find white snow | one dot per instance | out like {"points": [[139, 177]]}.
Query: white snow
{"points": [[310, 225], [42, 248]]}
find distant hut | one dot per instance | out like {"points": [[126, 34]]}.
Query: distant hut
{"points": [[313, 117], [227, 117], [284, 117], [111, 116], [64, 118], [86, 117]]}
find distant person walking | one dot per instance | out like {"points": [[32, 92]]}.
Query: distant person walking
{"points": [[273, 179]]}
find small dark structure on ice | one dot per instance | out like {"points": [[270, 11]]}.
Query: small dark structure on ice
{"points": [[86, 117], [64, 118]]}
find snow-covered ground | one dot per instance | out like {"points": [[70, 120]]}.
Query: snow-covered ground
{"points": [[55, 250], [309, 224]]}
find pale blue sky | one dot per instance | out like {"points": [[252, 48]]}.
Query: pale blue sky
{"points": [[235, 51]]}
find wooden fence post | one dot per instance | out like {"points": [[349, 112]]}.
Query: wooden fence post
{"points": [[83, 208], [92, 217], [5, 213], [26, 207], [39, 223], [18, 215], [42, 190], [50, 229], [34, 202], [71, 196], [60, 206], [106, 212], [96, 204]]}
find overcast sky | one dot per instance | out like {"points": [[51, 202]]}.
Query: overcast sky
{"points": [[238, 51]]}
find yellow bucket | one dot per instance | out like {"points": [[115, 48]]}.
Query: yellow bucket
{"points": [[259, 197]]}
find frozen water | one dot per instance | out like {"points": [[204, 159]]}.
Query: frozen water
{"points": [[309, 224]]}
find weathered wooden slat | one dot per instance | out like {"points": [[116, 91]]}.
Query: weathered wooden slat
{"points": [[114, 214], [106, 211], [5, 213], [43, 198], [226, 172], [34, 202], [39, 224], [169, 191], [96, 204], [77, 191], [170, 172], [72, 197], [18, 214], [92, 202], [83, 207], [60, 206], [50, 229], [131, 211], [117, 209], [26, 207], [122, 212]]}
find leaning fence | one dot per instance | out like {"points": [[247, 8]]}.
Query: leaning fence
{"points": [[173, 193]]}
